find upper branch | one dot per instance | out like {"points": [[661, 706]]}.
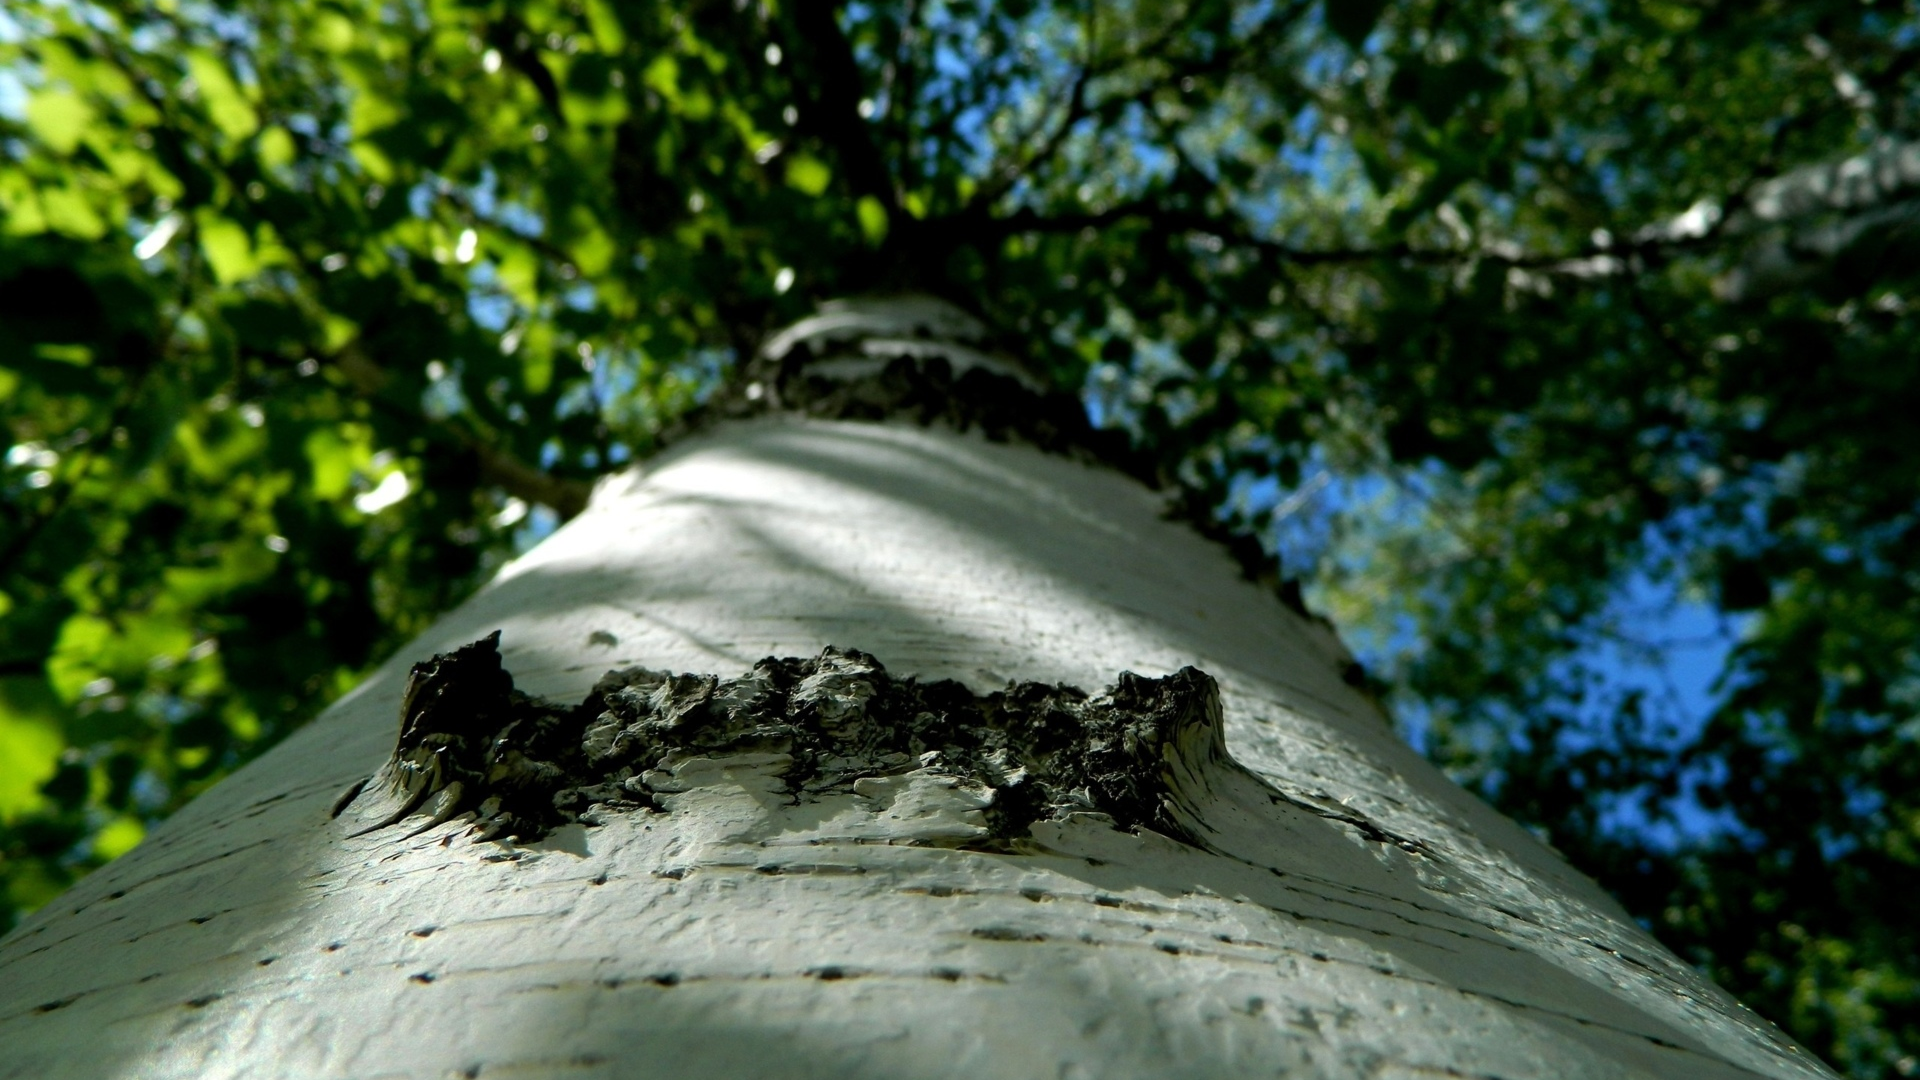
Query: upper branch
{"points": [[833, 112]]}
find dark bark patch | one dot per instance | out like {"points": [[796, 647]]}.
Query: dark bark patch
{"points": [[470, 744], [1006, 933]]}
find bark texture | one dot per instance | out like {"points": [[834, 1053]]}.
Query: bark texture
{"points": [[472, 747], [794, 899]]}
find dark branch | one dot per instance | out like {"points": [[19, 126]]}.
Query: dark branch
{"points": [[515, 42], [833, 109], [565, 497], [1234, 234]]}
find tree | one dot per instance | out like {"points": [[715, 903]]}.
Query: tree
{"points": [[1474, 310], [812, 867]]}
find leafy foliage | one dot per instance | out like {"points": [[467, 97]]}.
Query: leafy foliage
{"points": [[304, 306]]}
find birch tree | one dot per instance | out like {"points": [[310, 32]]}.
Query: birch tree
{"points": [[1480, 327], [904, 752]]}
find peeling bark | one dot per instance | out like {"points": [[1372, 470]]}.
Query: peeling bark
{"points": [[917, 359], [472, 747]]}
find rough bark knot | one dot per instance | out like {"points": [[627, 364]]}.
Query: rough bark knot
{"points": [[471, 745]]}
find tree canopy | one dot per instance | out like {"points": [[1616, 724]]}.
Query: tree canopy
{"points": [[1492, 316]]}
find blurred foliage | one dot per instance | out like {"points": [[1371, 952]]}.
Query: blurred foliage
{"points": [[310, 313]]}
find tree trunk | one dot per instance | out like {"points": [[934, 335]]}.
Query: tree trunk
{"points": [[826, 901]]}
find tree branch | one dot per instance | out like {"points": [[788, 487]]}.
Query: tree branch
{"points": [[1589, 261], [1005, 174], [565, 497], [833, 113], [514, 40]]}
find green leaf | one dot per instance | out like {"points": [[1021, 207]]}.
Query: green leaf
{"points": [[276, 147], [374, 160], [20, 213], [58, 118], [118, 837], [334, 453], [607, 30], [663, 77], [808, 174], [332, 31], [30, 743], [519, 273], [589, 244], [873, 219], [373, 112], [225, 103], [536, 370], [69, 212], [77, 355], [229, 252]]}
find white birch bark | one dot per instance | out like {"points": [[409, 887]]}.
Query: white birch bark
{"points": [[1354, 915]]}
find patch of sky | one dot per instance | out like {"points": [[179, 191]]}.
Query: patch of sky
{"points": [[151, 36], [1329, 64], [539, 524], [1115, 395], [483, 198], [964, 60], [1155, 162], [1610, 180], [489, 310], [580, 297], [229, 26], [520, 219], [579, 398], [484, 194], [13, 95], [420, 198], [1900, 33], [703, 371], [1670, 654], [443, 396], [1324, 161], [1654, 642], [148, 793], [1248, 18]]}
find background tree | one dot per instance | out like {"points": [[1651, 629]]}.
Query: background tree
{"points": [[1496, 317]]}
